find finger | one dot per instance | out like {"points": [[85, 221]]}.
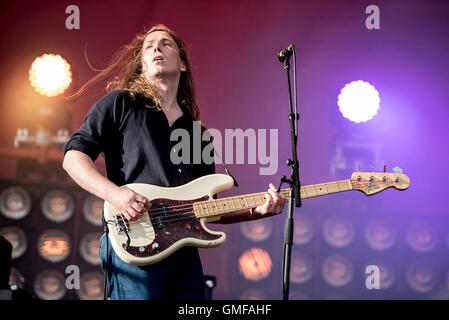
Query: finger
{"points": [[275, 196], [126, 215], [132, 213], [273, 187], [138, 207], [266, 205], [144, 201], [276, 201], [269, 201]]}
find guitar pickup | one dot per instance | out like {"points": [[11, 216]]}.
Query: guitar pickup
{"points": [[121, 224]]}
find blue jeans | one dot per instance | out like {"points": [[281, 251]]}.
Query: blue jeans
{"points": [[178, 277]]}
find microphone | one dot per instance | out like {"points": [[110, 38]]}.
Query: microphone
{"points": [[286, 53]]}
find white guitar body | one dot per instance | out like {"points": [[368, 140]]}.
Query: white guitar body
{"points": [[153, 237]]}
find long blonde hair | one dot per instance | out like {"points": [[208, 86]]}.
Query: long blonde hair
{"points": [[125, 72]]}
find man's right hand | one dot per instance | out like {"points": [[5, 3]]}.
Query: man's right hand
{"points": [[129, 203]]}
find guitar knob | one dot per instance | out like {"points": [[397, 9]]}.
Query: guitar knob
{"points": [[155, 246], [141, 249]]}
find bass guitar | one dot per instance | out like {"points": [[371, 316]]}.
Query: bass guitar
{"points": [[178, 215]]}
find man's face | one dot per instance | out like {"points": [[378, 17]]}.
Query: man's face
{"points": [[160, 56]]}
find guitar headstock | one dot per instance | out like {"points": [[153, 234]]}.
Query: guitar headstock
{"points": [[373, 182]]}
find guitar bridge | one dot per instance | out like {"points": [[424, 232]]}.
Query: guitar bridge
{"points": [[121, 224]]}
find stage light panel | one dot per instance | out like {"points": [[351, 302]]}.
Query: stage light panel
{"points": [[15, 203]]}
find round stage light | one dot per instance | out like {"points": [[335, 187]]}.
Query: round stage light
{"points": [[303, 229], [421, 237], [358, 101], [256, 230], [57, 206], [15, 203], [255, 264], [54, 245], [90, 248], [421, 277], [17, 238], [50, 75], [91, 286], [50, 285], [338, 232], [379, 235], [301, 268], [337, 270], [93, 210]]}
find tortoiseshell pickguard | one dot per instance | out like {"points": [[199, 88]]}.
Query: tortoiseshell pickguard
{"points": [[168, 230]]}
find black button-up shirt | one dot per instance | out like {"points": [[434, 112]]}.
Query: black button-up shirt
{"points": [[135, 142]]}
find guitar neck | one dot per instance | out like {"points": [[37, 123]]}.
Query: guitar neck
{"points": [[219, 207]]}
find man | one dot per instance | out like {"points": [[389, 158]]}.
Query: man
{"points": [[131, 127]]}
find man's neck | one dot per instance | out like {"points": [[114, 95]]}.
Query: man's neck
{"points": [[168, 91]]}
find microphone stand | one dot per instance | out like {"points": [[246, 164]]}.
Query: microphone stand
{"points": [[294, 182]]}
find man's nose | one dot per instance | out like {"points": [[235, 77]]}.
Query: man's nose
{"points": [[157, 46]]}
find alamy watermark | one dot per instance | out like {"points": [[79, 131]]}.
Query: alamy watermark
{"points": [[257, 150], [73, 20], [373, 20], [373, 279], [73, 279]]}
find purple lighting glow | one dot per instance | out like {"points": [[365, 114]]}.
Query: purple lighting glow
{"points": [[358, 101]]}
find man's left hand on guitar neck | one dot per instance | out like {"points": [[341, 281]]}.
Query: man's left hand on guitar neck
{"points": [[274, 204]]}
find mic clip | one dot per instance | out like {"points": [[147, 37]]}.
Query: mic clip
{"points": [[285, 53]]}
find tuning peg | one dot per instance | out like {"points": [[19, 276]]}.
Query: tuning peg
{"points": [[397, 169], [385, 168], [360, 168], [372, 168]]}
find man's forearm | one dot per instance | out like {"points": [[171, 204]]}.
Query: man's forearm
{"points": [[83, 171]]}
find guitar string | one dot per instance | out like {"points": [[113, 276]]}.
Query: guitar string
{"points": [[170, 218], [158, 210], [261, 194]]}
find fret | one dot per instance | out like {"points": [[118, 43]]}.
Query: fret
{"points": [[231, 204], [259, 199], [253, 202], [224, 205], [212, 207], [319, 191], [239, 203], [198, 209], [246, 205], [219, 205], [305, 192]]}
